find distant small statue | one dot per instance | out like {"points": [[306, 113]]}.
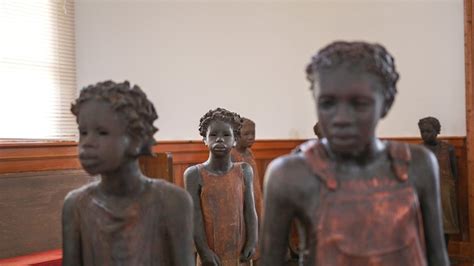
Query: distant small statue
{"points": [[317, 131], [243, 153], [225, 221], [446, 155]]}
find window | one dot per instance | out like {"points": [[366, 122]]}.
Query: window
{"points": [[37, 69]]}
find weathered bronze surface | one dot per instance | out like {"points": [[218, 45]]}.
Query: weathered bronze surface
{"points": [[124, 218], [225, 219], [359, 200], [448, 172]]}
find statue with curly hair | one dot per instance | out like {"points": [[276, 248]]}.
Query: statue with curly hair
{"points": [[448, 171], [225, 221], [125, 218], [242, 152], [358, 200]]}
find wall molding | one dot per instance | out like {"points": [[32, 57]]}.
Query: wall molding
{"points": [[45, 156]]}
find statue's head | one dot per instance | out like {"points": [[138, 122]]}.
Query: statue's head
{"points": [[354, 86], [220, 128]]}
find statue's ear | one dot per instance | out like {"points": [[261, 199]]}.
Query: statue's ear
{"points": [[205, 140]]}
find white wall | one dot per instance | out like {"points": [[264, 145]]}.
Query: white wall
{"points": [[250, 56]]}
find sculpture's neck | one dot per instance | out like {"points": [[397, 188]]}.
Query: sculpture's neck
{"points": [[218, 164], [125, 181]]}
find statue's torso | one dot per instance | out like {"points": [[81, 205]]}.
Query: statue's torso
{"points": [[118, 235], [222, 206], [371, 220]]}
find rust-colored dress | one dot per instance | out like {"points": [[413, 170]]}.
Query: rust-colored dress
{"points": [[222, 205], [447, 186], [368, 221], [257, 188], [136, 234]]}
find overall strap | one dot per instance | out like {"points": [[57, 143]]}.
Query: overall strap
{"points": [[317, 159], [238, 166], [400, 156], [200, 168]]}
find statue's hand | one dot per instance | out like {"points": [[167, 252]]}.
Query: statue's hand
{"points": [[210, 259], [247, 253]]}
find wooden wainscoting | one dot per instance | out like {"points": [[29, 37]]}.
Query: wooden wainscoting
{"points": [[18, 157], [469, 82], [30, 209], [35, 178], [54, 163]]}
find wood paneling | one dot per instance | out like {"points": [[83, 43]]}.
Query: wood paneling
{"points": [[159, 166], [41, 156], [41, 183], [32, 188], [468, 250], [189, 153], [30, 208]]}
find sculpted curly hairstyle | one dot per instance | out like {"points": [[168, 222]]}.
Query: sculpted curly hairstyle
{"points": [[371, 58], [432, 121], [130, 102], [220, 114]]}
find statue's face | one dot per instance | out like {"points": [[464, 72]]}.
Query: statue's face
{"points": [[428, 133], [104, 143], [349, 106], [219, 138], [247, 135]]}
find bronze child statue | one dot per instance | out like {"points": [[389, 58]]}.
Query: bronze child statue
{"points": [[317, 130], [361, 201], [448, 170], [243, 153], [125, 218], [225, 222]]}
